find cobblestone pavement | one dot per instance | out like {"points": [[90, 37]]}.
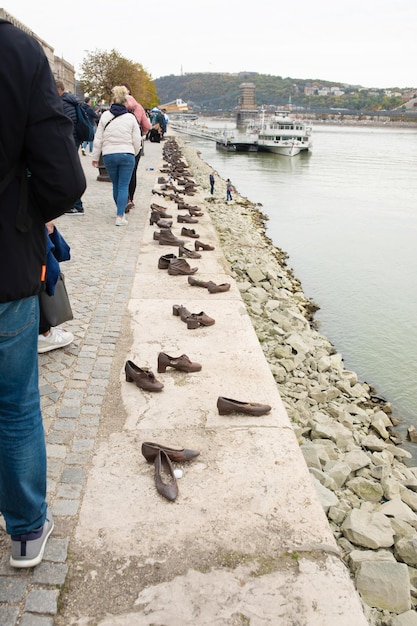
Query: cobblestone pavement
{"points": [[73, 380]]}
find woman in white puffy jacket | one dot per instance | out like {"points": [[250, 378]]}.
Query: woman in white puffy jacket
{"points": [[118, 139]]}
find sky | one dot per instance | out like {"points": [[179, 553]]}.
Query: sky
{"points": [[372, 43]]}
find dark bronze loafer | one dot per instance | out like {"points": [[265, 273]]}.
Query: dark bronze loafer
{"points": [[150, 451], [181, 363], [144, 379], [189, 232], [227, 406], [167, 489]]}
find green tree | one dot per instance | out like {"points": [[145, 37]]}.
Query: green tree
{"points": [[102, 70]]}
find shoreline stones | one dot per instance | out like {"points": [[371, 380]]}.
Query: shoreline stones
{"points": [[345, 431]]}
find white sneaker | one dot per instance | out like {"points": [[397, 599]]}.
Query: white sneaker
{"points": [[57, 338], [121, 221], [83, 151]]}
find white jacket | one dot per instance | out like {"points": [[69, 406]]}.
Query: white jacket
{"points": [[122, 134]]}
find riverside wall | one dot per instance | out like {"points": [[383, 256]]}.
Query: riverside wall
{"points": [[345, 431]]}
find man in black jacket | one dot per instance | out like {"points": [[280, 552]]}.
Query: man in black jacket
{"points": [[37, 184], [69, 104]]}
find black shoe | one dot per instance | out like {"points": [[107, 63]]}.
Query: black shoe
{"points": [[74, 211]]}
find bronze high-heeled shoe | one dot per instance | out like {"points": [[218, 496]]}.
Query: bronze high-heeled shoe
{"points": [[168, 490], [181, 363], [144, 379], [199, 319], [190, 254], [181, 311], [150, 451]]}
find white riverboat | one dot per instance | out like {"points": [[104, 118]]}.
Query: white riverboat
{"points": [[279, 133]]}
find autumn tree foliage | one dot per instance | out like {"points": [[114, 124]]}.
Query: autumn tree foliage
{"points": [[102, 70]]}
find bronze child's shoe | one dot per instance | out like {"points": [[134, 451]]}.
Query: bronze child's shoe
{"points": [[150, 451], [181, 363], [227, 405], [144, 379], [163, 465]]}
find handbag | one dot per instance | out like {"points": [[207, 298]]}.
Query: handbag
{"points": [[56, 309]]}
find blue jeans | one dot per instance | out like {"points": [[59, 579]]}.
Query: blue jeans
{"points": [[119, 167], [22, 438], [88, 143]]}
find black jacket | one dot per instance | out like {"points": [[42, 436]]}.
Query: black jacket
{"points": [[36, 143]]}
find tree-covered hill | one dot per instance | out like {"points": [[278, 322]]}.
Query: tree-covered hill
{"points": [[220, 92]]}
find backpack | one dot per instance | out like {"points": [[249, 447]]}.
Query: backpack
{"points": [[83, 128]]}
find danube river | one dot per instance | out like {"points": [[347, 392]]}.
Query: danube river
{"points": [[346, 214]]}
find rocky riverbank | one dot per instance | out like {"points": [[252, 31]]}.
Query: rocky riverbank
{"points": [[346, 433]]}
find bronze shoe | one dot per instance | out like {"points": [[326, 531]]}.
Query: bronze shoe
{"points": [[199, 319], [165, 260], [164, 223], [195, 212], [227, 406], [160, 209], [190, 254], [150, 451], [179, 267], [167, 489], [181, 311], [187, 219], [213, 288], [167, 238], [189, 232], [145, 379], [199, 245], [196, 283], [156, 235], [181, 363]]}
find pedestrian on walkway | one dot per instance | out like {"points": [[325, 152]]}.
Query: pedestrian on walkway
{"points": [[93, 119], [119, 140], [57, 250], [145, 125], [228, 190], [69, 104], [37, 185], [211, 178]]}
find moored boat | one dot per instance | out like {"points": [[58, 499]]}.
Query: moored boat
{"points": [[279, 133]]}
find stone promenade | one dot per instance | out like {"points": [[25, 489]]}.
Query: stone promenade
{"points": [[246, 541]]}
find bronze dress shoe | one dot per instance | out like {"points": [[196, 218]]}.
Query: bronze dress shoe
{"points": [[227, 406], [168, 490], [199, 245], [165, 260], [195, 213], [189, 232], [190, 254], [145, 379], [196, 283], [181, 363], [150, 451], [161, 209], [187, 219], [213, 288], [180, 267]]}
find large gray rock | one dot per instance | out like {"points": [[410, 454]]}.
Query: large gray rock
{"points": [[384, 585], [409, 618], [406, 550], [368, 529]]}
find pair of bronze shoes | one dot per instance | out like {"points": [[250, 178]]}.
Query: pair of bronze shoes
{"points": [[193, 320], [226, 406], [142, 377], [162, 457], [209, 285]]}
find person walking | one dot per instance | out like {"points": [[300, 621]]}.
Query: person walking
{"points": [[229, 189], [37, 185], [119, 140], [93, 119], [211, 179], [69, 104], [145, 125]]}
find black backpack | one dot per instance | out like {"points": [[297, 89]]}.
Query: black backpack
{"points": [[83, 128]]}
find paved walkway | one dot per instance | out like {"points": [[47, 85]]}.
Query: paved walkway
{"points": [[246, 541]]}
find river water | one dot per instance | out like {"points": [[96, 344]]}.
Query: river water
{"points": [[346, 214]]}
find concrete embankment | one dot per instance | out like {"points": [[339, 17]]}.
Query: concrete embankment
{"points": [[345, 432], [247, 540]]}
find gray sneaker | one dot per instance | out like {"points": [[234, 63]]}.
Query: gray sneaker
{"points": [[28, 549]]}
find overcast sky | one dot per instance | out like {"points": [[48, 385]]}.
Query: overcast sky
{"points": [[362, 42]]}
